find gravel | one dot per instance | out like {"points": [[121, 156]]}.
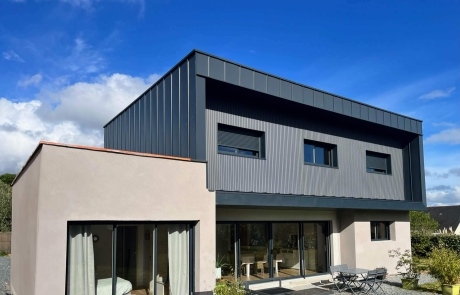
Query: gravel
{"points": [[4, 275], [392, 286]]}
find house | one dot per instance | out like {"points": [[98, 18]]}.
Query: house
{"points": [[218, 163], [447, 217]]}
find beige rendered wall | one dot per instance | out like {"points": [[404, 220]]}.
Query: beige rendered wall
{"points": [[25, 229], [371, 254], [77, 184]]}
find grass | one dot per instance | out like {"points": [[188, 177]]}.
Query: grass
{"points": [[434, 287]]}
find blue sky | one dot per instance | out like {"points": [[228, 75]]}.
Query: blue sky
{"points": [[68, 66]]}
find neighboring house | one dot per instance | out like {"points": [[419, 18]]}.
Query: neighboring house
{"points": [[218, 162], [447, 217]]}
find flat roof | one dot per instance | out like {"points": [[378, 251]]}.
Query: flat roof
{"points": [[91, 148]]}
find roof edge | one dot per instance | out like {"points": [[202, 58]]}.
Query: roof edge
{"points": [[90, 148]]}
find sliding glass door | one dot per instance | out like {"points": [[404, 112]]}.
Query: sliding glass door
{"points": [[137, 259], [255, 251]]}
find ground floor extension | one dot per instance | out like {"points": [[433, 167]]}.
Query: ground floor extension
{"points": [[95, 221]]}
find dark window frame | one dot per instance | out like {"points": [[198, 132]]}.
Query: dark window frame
{"points": [[374, 226], [240, 151], [332, 150], [377, 170]]}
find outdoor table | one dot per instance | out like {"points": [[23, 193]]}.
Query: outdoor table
{"points": [[353, 271]]}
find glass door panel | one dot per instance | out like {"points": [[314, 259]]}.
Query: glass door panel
{"points": [[315, 247], [226, 252], [286, 255], [254, 242]]}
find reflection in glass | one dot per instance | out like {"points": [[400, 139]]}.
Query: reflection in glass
{"points": [[308, 153], [225, 252], [286, 256], [254, 251], [315, 254]]}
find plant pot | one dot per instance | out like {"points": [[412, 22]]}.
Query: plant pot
{"points": [[450, 289], [409, 284], [218, 272]]}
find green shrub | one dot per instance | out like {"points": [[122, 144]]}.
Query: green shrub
{"points": [[421, 222], [444, 265], [5, 207], [7, 178], [230, 288], [423, 243]]}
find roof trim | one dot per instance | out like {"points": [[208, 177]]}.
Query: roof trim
{"points": [[90, 148]]}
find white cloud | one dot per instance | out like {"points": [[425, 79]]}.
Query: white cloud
{"points": [[443, 195], [83, 59], [73, 114], [444, 124], [437, 93], [88, 4], [12, 55], [449, 136], [30, 80], [152, 78], [452, 172]]}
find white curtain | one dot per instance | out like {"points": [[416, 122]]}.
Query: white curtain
{"points": [[178, 256], [81, 279]]}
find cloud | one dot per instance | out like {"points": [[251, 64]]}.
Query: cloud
{"points": [[12, 55], [83, 59], [152, 78], [75, 113], [449, 136], [442, 195], [89, 4], [444, 124], [30, 80], [452, 172], [437, 93]]}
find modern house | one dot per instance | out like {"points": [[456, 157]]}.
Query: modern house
{"points": [[218, 163], [448, 217]]}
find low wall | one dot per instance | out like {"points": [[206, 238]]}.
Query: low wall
{"points": [[5, 242]]}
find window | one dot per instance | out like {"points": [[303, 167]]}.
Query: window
{"points": [[378, 163], [240, 141], [380, 230], [320, 153]]}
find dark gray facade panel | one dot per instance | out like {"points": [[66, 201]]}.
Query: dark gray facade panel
{"points": [[308, 96], [201, 64], [168, 116], [407, 126], [372, 115], [148, 123], [161, 119], [364, 112], [421, 160], [273, 86], [407, 174], [379, 116], [386, 119], [318, 99], [419, 127], [216, 69], [328, 102], [394, 120], [175, 113], [106, 136], [200, 119], [355, 110], [285, 90], [192, 107], [401, 122], [338, 105], [142, 124], [279, 201], [247, 78], [137, 143], [297, 94], [183, 104], [413, 126], [416, 170], [260, 82], [120, 132], [232, 73], [347, 107], [154, 119]]}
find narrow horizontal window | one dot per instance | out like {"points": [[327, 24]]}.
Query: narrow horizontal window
{"points": [[240, 141], [380, 230], [378, 163], [320, 153]]}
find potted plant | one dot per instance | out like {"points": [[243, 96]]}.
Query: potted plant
{"points": [[410, 267], [219, 264], [444, 265]]}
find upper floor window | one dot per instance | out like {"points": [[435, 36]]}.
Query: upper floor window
{"points": [[320, 153], [380, 230], [378, 163], [240, 141]]}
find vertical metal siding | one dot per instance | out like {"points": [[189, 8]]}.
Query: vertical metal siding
{"points": [[161, 119], [154, 119], [183, 109], [175, 87], [283, 170], [168, 116], [147, 123]]}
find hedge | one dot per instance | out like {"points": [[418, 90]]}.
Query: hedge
{"points": [[422, 244]]}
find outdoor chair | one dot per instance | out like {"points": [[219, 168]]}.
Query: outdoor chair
{"points": [[337, 277], [373, 281]]}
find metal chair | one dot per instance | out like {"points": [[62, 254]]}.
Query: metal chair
{"points": [[373, 281], [337, 277]]}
